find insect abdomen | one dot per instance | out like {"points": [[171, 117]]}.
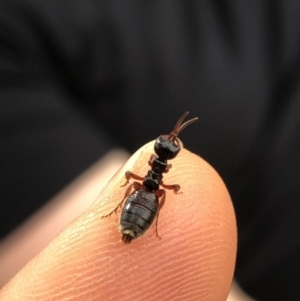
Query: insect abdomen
{"points": [[138, 213]]}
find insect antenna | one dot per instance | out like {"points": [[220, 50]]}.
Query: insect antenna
{"points": [[179, 127]]}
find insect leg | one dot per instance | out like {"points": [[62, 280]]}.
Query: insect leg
{"points": [[174, 187], [151, 159], [161, 193], [168, 168], [130, 175], [136, 185]]}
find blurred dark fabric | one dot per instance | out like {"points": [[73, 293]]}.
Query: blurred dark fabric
{"points": [[80, 77]]}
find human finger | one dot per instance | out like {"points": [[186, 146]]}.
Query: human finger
{"points": [[194, 260]]}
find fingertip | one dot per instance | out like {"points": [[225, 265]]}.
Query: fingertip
{"points": [[194, 259], [197, 228]]}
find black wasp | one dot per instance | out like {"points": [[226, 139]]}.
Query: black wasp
{"points": [[144, 203]]}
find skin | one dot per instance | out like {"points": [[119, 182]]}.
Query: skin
{"points": [[194, 260]]}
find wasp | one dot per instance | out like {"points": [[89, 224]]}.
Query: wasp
{"points": [[143, 205]]}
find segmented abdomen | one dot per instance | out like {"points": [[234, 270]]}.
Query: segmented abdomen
{"points": [[139, 212]]}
